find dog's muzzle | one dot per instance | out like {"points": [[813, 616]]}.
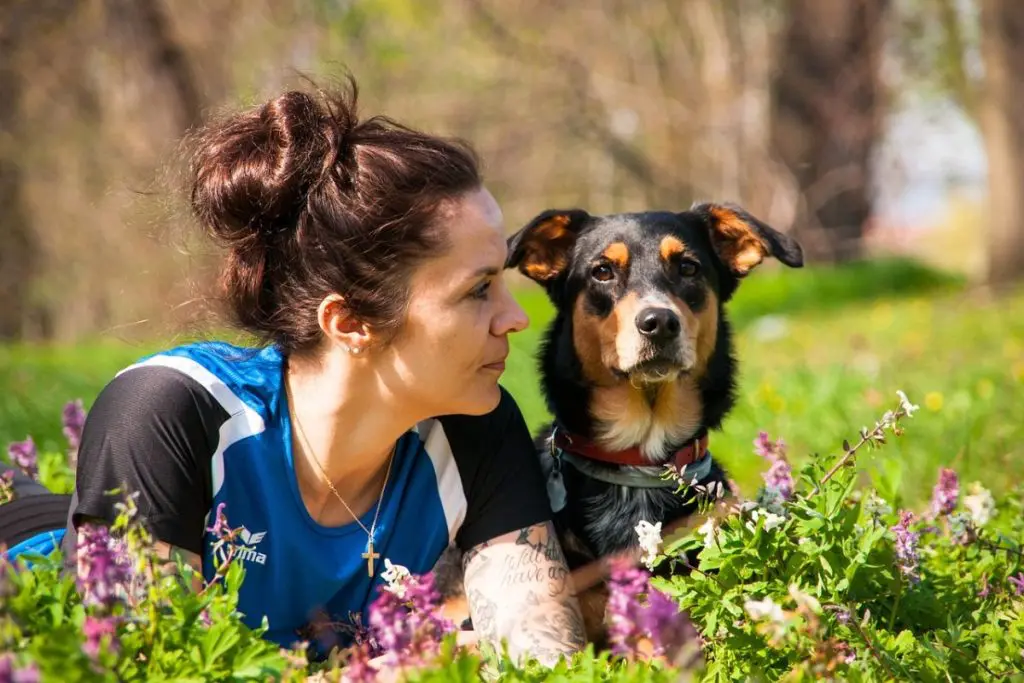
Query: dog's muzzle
{"points": [[662, 349]]}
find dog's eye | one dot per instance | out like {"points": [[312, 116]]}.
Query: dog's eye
{"points": [[602, 272], [689, 268]]}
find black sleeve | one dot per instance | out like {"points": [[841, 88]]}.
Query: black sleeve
{"points": [[152, 430], [501, 474]]}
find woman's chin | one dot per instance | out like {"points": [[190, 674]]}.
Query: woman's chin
{"points": [[480, 400]]}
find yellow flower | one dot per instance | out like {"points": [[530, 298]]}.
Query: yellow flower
{"points": [[1018, 371], [933, 401]]}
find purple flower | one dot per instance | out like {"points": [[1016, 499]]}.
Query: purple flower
{"points": [[945, 492], [843, 615], [358, 668], [220, 527], [73, 419], [10, 674], [764, 447], [779, 476], [409, 629], [637, 611], [906, 546], [103, 571], [666, 626], [1018, 583], [25, 455], [100, 632], [626, 586]]}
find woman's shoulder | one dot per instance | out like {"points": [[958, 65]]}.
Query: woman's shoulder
{"points": [[237, 378]]}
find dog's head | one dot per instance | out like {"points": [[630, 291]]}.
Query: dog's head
{"points": [[644, 289]]}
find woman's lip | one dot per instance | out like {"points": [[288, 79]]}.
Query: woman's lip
{"points": [[499, 365]]}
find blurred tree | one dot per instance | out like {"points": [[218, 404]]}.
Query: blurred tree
{"points": [[20, 249], [1001, 118], [826, 116]]}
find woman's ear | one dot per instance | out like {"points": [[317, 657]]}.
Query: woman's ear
{"points": [[340, 326]]}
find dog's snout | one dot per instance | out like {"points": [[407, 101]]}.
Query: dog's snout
{"points": [[659, 324]]}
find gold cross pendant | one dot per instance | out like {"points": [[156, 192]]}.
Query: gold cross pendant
{"points": [[370, 556]]}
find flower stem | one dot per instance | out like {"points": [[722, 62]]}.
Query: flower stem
{"points": [[842, 462], [871, 646], [896, 602]]}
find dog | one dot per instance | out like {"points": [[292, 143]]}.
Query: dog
{"points": [[637, 366]]}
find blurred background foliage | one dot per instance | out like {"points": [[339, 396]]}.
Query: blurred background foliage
{"points": [[885, 134]]}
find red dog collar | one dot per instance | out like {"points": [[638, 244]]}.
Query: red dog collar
{"points": [[690, 453]]}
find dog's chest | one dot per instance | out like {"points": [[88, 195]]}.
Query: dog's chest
{"points": [[627, 416]]}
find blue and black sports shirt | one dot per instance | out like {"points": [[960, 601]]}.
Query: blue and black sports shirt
{"points": [[207, 423]]}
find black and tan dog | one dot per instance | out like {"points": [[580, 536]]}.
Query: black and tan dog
{"points": [[637, 367], [638, 364]]}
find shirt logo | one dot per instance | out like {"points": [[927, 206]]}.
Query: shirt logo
{"points": [[247, 551]]}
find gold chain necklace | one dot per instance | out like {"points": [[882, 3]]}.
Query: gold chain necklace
{"points": [[369, 555]]}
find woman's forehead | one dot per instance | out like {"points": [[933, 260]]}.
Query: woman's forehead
{"points": [[475, 229]]}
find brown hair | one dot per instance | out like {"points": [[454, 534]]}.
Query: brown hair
{"points": [[311, 201]]}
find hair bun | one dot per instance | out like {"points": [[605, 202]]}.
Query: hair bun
{"points": [[253, 171]]}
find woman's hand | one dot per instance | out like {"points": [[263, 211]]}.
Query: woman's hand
{"points": [[519, 590]]}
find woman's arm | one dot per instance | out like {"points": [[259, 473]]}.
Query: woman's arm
{"points": [[519, 590], [152, 431]]}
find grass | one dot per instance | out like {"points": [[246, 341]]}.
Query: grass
{"points": [[822, 353]]}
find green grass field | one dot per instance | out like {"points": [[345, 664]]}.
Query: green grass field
{"points": [[822, 353]]}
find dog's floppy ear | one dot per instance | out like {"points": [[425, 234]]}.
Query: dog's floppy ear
{"points": [[541, 249], [742, 241]]}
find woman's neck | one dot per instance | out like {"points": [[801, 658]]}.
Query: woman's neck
{"points": [[344, 427]]}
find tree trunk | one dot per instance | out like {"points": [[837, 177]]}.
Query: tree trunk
{"points": [[147, 30], [19, 248], [1001, 117], [826, 119]]}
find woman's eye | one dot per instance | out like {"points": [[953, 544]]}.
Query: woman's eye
{"points": [[689, 268], [481, 290], [602, 273]]}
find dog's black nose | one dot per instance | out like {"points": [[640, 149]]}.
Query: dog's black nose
{"points": [[660, 324]]}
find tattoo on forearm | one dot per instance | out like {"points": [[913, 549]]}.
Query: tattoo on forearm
{"points": [[540, 616], [468, 556], [485, 612], [549, 548]]}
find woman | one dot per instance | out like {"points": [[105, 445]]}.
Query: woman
{"points": [[369, 425]]}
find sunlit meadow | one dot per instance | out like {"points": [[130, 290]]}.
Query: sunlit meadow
{"points": [[907, 564]]}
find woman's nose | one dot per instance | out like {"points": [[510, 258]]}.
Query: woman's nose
{"points": [[512, 317]]}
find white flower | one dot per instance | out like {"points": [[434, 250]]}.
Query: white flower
{"points": [[980, 504], [805, 600], [876, 506], [771, 520], [395, 576], [764, 609], [905, 404], [710, 531], [650, 541]]}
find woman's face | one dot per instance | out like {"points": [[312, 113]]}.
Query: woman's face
{"points": [[451, 350]]}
